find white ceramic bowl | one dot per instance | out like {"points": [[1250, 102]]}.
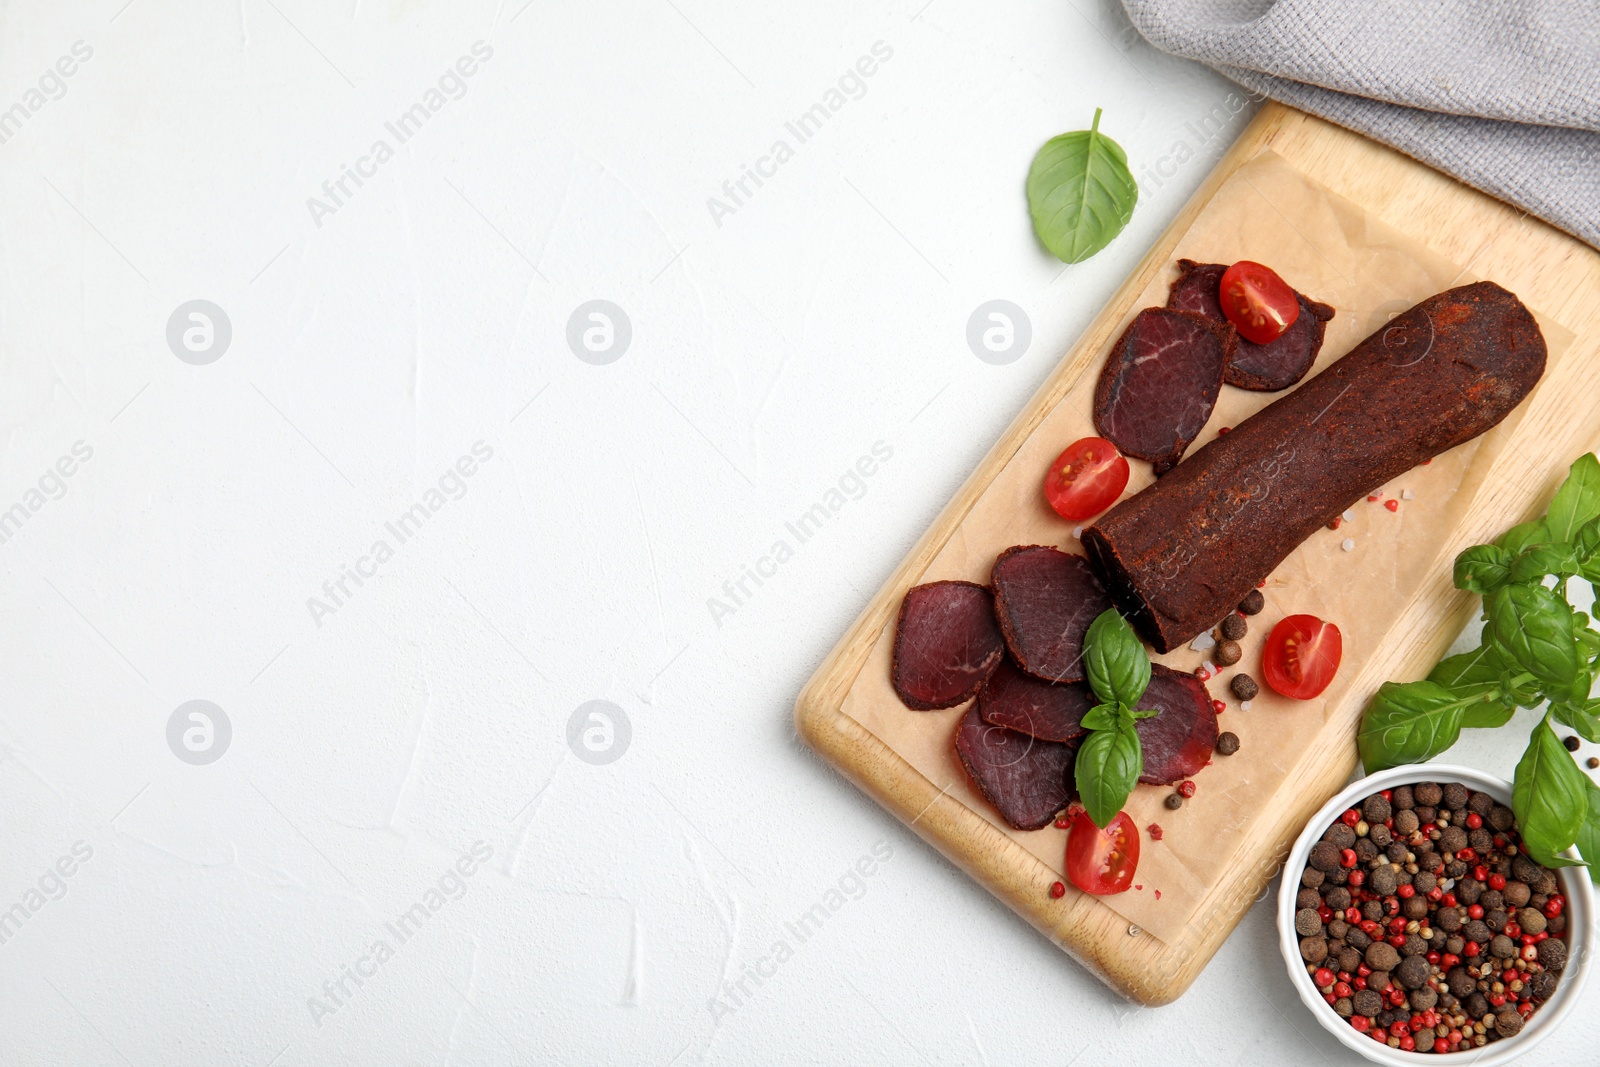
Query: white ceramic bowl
{"points": [[1580, 913]]}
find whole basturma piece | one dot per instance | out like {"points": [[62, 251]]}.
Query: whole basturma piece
{"points": [[1179, 555]]}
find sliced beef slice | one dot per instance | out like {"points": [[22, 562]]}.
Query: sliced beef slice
{"points": [[946, 644], [1179, 741], [1043, 710], [1027, 780], [1045, 600], [1160, 383], [1263, 368]]}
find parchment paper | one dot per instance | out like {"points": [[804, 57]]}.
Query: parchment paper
{"points": [[1326, 247]]}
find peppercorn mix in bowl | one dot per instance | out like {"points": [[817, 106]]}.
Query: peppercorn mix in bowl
{"points": [[1413, 926]]}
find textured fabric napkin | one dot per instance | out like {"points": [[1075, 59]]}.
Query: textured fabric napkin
{"points": [[1502, 94]]}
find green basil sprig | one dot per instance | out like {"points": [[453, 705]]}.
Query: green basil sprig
{"points": [[1536, 649], [1080, 192], [1111, 759]]}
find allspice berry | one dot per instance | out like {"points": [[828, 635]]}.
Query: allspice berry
{"points": [[1234, 627], [1244, 687], [1252, 603], [1227, 653], [1227, 743]]}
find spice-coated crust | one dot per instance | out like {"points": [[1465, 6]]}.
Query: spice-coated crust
{"points": [[1107, 388], [1180, 554], [896, 671], [1307, 332], [1005, 610]]}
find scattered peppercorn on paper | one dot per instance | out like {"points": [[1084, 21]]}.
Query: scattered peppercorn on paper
{"points": [[1324, 245]]}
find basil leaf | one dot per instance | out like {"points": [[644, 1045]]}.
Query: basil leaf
{"points": [[1582, 716], [1587, 539], [1147, 713], [1482, 568], [1534, 626], [1589, 834], [1469, 671], [1101, 717], [1549, 795], [1578, 499], [1119, 668], [1080, 192], [1109, 763], [1487, 712], [1536, 561], [1408, 723], [1522, 535]]}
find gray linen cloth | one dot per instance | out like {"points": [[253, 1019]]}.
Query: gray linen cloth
{"points": [[1502, 94]]}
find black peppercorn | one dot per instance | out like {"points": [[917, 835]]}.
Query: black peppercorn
{"points": [[1227, 743], [1572, 742], [1174, 802]]}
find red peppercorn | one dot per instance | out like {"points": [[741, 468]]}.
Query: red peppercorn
{"points": [[1497, 882], [1467, 855], [1499, 840], [1553, 906], [1392, 504], [1474, 820], [1363, 970], [1352, 914], [1358, 983], [1370, 927], [1323, 977], [1475, 911], [1397, 924], [1449, 900], [1399, 1029], [1379, 1034], [1471, 951], [1436, 894], [1433, 957], [1448, 960], [1398, 940], [1325, 913], [1408, 1043], [1397, 996], [1186, 788], [1357, 879], [1342, 989], [1347, 858], [1441, 1045], [1540, 936], [1387, 794], [1058, 890], [1359, 1023], [1063, 823], [1407, 891], [1481, 873], [1513, 930], [1498, 1000], [1351, 817], [1508, 976], [1155, 835]]}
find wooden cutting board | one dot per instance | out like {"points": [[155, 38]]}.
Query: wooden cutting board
{"points": [[1519, 466]]}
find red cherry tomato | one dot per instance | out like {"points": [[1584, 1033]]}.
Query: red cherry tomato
{"points": [[1258, 302], [1102, 861], [1086, 479], [1301, 656]]}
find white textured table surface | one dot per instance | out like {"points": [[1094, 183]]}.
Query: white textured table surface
{"points": [[375, 509]]}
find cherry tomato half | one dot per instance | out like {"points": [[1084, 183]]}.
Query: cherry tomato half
{"points": [[1086, 479], [1301, 656], [1102, 861], [1258, 302]]}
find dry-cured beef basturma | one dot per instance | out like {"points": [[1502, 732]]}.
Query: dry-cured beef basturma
{"points": [[946, 644], [1044, 710], [1180, 554], [1027, 780], [1179, 741], [1160, 383], [1046, 599], [1267, 368]]}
